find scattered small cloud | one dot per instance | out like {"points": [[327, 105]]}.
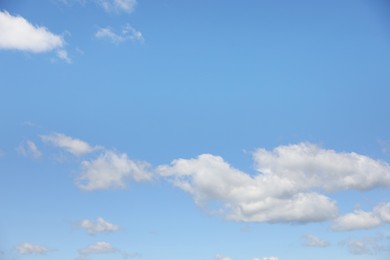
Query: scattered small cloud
{"points": [[384, 145], [266, 258], [27, 249], [72, 145], [112, 170], [29, 149], [63, 54], [16, 33], [359, 247], [314, 241], [118, 6], [128, 33], [100, 226], [100, 248], [222, 257], [371, 245]]}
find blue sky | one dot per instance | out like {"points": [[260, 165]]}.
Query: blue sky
{"points": [[213, 130]]}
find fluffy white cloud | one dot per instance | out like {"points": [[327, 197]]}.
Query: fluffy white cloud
{"points": [[18, 34], [100, 226], [72, 145], [266, 258], [358, 219], [314, 241], [309, 166], [382, 211], [127, 34], [27, 248], [209, 178], [127, 6], [111, 170], [286, 188], [29, 149]]}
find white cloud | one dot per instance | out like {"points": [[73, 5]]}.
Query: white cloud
{"points": [[382, 211], [98, 248], [309, 166], [266, 258], [100, 226], [27, 248], [262, 198], [314, 241], [117, 6], [358, 219], [128, 33], [29, 149], [112, 170], [222, 257], [72, 145], [288, 185], [16, 33]]}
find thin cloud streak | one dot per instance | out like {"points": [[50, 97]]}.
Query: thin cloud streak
{"points": [[128, 33]]}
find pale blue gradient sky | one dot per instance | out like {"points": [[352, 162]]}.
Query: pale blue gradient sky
{"points": [[216, 77]]}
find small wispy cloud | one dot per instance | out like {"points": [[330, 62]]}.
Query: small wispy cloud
{"points": [[101, 248], [117, 6], [222, 257], [63, 54], [266, 258], [72, 145], [98, 248], [16, 33], [100, 226], [314, 241], [29, 149], [128, 33], [28, 248], [369, 245], [384, 145]]}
